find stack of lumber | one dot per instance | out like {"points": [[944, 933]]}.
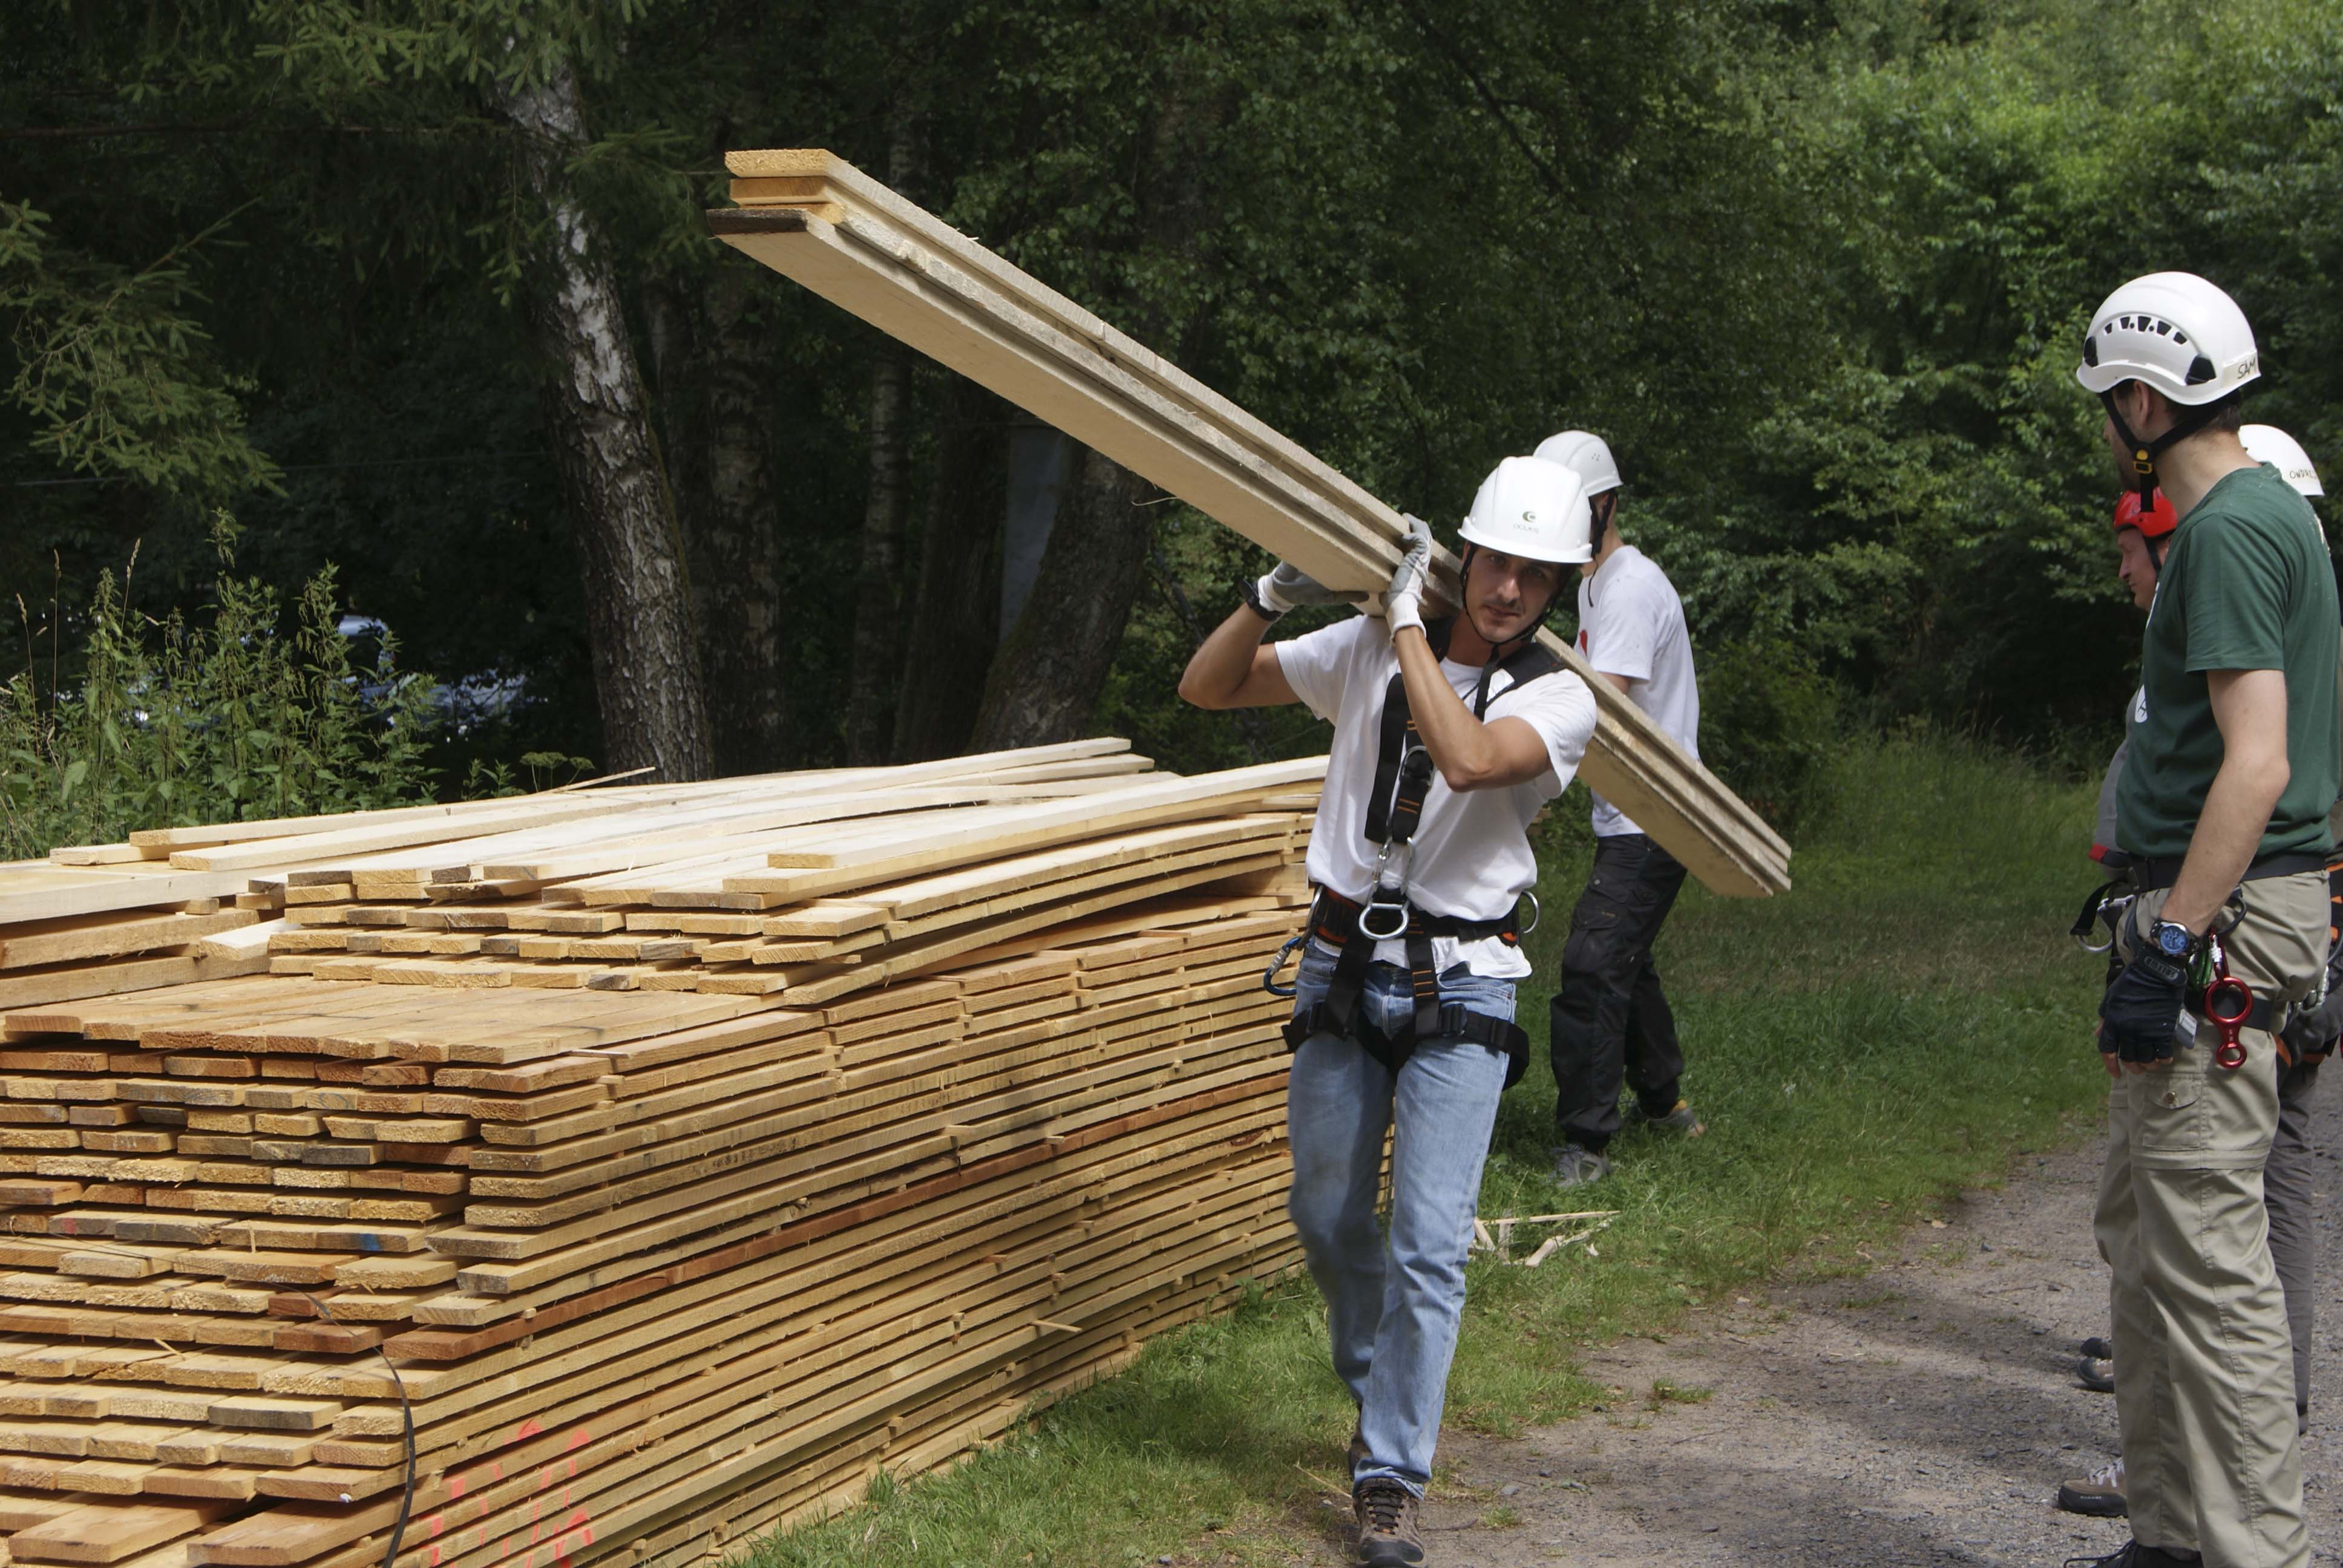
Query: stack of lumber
{"points": [[816, 219], [635, 1177]]}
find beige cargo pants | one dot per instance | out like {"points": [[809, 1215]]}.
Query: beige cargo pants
{"points": [[2205, 1385]]}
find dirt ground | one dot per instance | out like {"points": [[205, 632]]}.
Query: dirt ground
{"points": [[1923, 1414]]}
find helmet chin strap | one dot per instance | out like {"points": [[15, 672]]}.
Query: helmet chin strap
{"points": [[2185, 423]]}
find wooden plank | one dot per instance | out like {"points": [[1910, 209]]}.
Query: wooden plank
{"points": [[916, 278], [102, 1531]]}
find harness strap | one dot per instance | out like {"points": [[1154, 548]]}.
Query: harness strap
{"points": [[1454, 1021], [1386, 820], [1334, 921], [2153, 873]]}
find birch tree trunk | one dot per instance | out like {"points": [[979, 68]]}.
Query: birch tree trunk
{"points": [[637, 601], [717, 424]]}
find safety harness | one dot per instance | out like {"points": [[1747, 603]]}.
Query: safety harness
{"points": [[1403, 779]]}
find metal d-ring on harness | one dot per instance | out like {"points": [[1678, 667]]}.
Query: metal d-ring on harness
{"points": [[1403, 779]]}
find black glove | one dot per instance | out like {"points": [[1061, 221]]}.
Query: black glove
{"points": [[2141, 1011]]}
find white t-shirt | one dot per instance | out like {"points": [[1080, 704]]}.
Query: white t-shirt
{"points": [[1631, 623], [1472, 856]]}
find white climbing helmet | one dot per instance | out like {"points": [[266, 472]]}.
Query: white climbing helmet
{"points": [[2174, 331], [1584, 454], [2268, 444], [1530, 507]]}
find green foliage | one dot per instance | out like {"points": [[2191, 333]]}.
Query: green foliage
{"points": [[1769, 725], [115, 369], [255, 714]]}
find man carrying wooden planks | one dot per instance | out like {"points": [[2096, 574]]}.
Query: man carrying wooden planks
{"points": [[1449, 737], [2231, 769], [1609, 1019]]}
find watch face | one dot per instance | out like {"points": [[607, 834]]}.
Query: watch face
{"points": [[2172, 938]]}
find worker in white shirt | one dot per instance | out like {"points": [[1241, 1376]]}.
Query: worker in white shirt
{"points": [[1450, 736], [1610, 1018]]}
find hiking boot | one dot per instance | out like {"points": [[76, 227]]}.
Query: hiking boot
{"points": [[2099, 1495], [2097, 1373], [1389, 1536], [1681, 1120], [2132, 1554], [1577, 1165], [2098, 1347]]}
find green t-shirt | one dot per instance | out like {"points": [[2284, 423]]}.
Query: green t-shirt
{"points": [[2246, 585]]}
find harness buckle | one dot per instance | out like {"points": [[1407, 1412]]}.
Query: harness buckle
{"points": [[1388, 899]]}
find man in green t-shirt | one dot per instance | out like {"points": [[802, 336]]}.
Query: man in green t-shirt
{"points": [[2231, 768]]}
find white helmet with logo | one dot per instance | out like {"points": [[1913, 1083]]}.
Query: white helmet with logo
{"points": [[2268, 444], [1529, 508], [2175, 332], [1584, 454]]}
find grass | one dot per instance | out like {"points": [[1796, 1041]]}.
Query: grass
{"points": [[1905, 1023]]}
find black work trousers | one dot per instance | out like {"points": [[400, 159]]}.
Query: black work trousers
{"points": [[1609, 1017]]}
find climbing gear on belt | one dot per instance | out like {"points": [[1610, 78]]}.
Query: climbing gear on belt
{"points": [[1269, 976], [2228, 1004], [2105, 905], [1336, 921]]}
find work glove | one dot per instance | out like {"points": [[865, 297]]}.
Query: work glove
{"points": [[1290, 587], [1403, 601], [2140, 1014]]}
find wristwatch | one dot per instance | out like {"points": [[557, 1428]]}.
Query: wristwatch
{"points": [[2171, 939]]}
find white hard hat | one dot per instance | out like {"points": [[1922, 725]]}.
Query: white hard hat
{"points": [[2175, 332], [1584, 454], [2268, 444], [1529, 508]]}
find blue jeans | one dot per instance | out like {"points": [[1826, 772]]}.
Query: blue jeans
{"points": [[1392, 1310]]}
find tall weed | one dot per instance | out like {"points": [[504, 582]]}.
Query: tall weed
{"points": [[260, 713]]}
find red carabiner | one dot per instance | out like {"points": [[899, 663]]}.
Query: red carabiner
{"points": [[2228, 1002]]}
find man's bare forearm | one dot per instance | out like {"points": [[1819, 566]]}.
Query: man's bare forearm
{"points": [[2228, 833], [1221, 665]]}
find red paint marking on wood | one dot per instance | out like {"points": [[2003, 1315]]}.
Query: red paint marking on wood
{"points": [[580, 1438], [437, 1522], [435, 1554], [527, 1428], [456, 1486]]}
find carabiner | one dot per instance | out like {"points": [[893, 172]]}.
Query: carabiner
{"points": [[1269, 976], [1537, 912]]}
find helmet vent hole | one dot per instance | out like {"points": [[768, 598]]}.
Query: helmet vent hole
{"points": [[2200, 370], [2090, 351]]}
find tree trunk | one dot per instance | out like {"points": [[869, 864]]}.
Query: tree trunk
{"points": [[734, 539], [878, 601], [879, 597], [955, 623], [638, 602], [1053, 663]]}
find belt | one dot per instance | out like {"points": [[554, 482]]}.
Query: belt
{"points": [[2153, 873]]}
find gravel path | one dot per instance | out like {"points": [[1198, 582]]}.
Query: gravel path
{"points": [[1923, 1414]]}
